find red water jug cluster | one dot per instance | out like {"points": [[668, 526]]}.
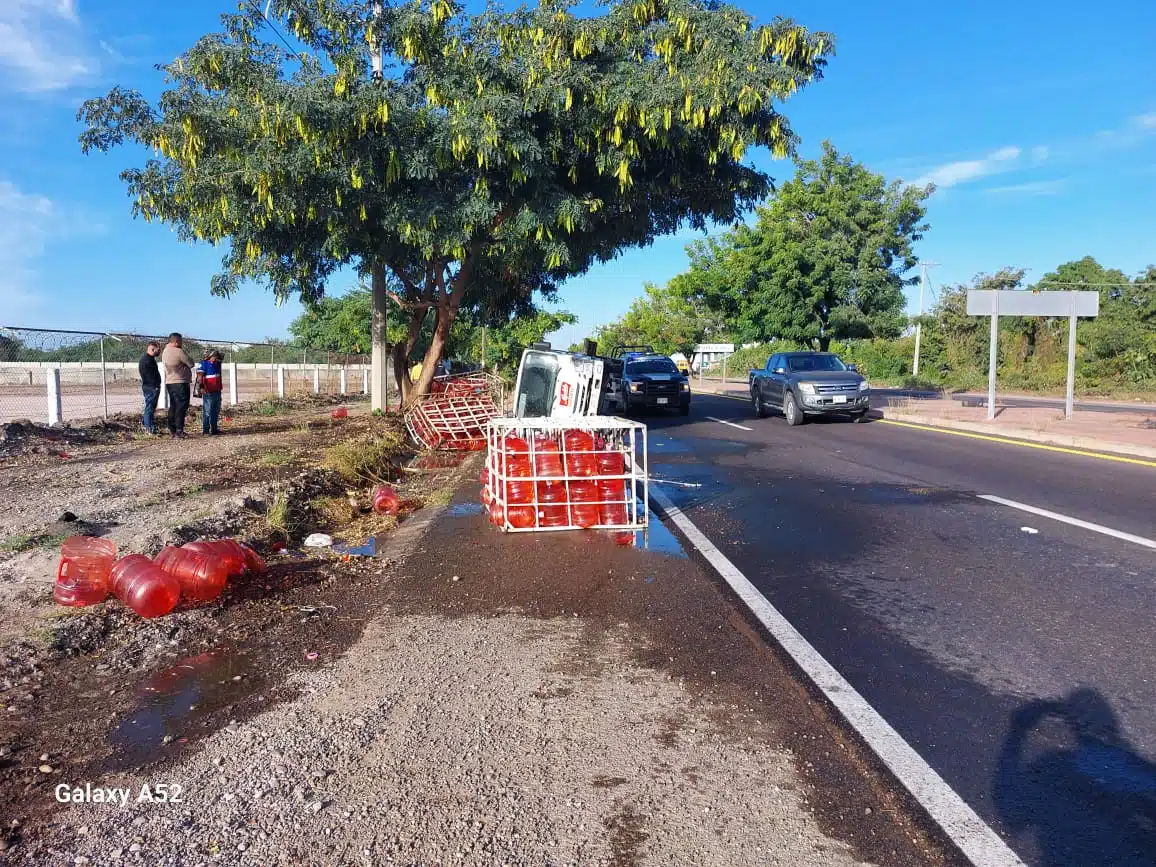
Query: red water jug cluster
{"points": [[197, 572], [555, 483]]}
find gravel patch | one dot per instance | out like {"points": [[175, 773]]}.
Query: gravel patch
{"points": [[465, 741]]}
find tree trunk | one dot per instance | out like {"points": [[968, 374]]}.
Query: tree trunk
{"points": [[402, 352], [433, 355]]}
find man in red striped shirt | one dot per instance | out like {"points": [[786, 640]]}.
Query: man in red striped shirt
{"points": [[211, 393]]}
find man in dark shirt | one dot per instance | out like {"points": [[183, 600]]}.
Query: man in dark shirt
{"points": [[150, 383]]}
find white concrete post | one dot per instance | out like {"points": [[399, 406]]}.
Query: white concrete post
{"points": [[316, 379], [280, 380], [342, 381], [365, 382], [55, 408], [1070, 394], [232, 366], [103, 378]]}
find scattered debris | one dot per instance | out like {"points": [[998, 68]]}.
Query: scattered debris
{"points": [[1029, 530], [318, 540]]}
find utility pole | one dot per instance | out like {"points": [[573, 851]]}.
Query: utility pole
{"points": [[918, 324], [378, 362]]}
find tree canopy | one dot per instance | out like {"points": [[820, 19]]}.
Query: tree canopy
{"points": [[495, 156], [827, 258], [671, 318]]}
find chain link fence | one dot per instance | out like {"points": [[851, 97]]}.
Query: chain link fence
{"points": [[52, 376]]}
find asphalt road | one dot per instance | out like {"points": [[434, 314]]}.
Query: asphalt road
{"points": [[1015, 653]]}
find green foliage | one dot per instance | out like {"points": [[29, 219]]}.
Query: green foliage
{"points": [[826, 260], [671, 318], [505, 343], [502, 153]]}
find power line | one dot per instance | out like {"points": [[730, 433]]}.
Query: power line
{"points": [[253, 5]]}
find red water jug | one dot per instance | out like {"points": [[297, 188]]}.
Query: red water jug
{"points": [[554, 515], [611, 463], [612, 494], [547, 458], [82, 576], [144, 586], [254, 562], [519, 492], [340, 412], [514, 458], [552, 492], [385, 500], [484, 478], [584, 508], [521, 516], [228, 551], [580, 459], [201, 576], [497, 514]]}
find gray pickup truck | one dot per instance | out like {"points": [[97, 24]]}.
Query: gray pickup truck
{"points": [[802, 384]]}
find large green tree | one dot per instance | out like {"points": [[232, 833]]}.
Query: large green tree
{"points": [[671, 318], [493, 155], [827, 258]]}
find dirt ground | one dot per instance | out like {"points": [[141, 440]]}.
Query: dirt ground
{"points": [[467, 697]]}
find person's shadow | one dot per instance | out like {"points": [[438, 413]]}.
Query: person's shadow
{"points": [[1068, 775]]}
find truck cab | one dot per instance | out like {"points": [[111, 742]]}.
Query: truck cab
{"points": [[556, 384]]}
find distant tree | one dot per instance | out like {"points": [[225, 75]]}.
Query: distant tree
{"points": [[496, 155], [826, 259], [505, 343], [671, 318]]}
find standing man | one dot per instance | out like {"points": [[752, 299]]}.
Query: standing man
{"points": [[211, 393], [178, 383], [150, 383]]}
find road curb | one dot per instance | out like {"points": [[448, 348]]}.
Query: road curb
{"points": [[1074, 442]]}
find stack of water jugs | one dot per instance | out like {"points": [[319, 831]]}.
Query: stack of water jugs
{"points": [[89, 570]]}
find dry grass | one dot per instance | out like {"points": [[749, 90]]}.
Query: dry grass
{"points": [[367, 460]]}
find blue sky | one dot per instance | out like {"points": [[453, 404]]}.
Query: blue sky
{"points": [[1037, 121]]}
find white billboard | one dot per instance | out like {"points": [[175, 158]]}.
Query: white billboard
{"points": [[1024, 302]]}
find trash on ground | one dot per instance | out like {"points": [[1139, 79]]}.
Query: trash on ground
{"points": [[202, 576], [340, 412], [318, 540], [386, 500], [1030, 530], [365, 549]]}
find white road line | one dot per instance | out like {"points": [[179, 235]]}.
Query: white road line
{"points": [[730, 423], [1075, 522], [974, 838]]}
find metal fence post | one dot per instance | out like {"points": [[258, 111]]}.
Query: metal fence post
{"points": [[992, 365], [341, 380], [232, 383], [280, 380], [55, 407], [1070, 391], [103, 379], [316, 379], [272, 372], [724, 370]]}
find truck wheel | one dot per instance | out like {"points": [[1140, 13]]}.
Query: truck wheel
{"points": [[684, 408], [791, 410], [760, 407]]}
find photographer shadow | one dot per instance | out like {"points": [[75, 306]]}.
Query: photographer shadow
{"points": [[1068, 775]]}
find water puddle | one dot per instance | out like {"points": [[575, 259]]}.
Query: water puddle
{"points": [[439, 460], [177, 701], [897, 495], [658, 539], [465, 510]]}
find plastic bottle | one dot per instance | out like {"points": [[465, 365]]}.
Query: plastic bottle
{"points": [[230, 552], [202, 577], [584, 508], [611, 463], [82, 576], [144, 586], [580, 459], [385, 500], [254, 562], [547, 458], [340, 412], [554, 515], [519, 492], [497, 514]]}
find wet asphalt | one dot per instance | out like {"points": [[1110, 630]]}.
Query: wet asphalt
{"points": [[1015, 653]]}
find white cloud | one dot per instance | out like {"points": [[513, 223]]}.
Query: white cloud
{"points": [[42, 45], [1030, 188], [1040, 153], [27, 223], [1145, 121], [959, 172]]}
